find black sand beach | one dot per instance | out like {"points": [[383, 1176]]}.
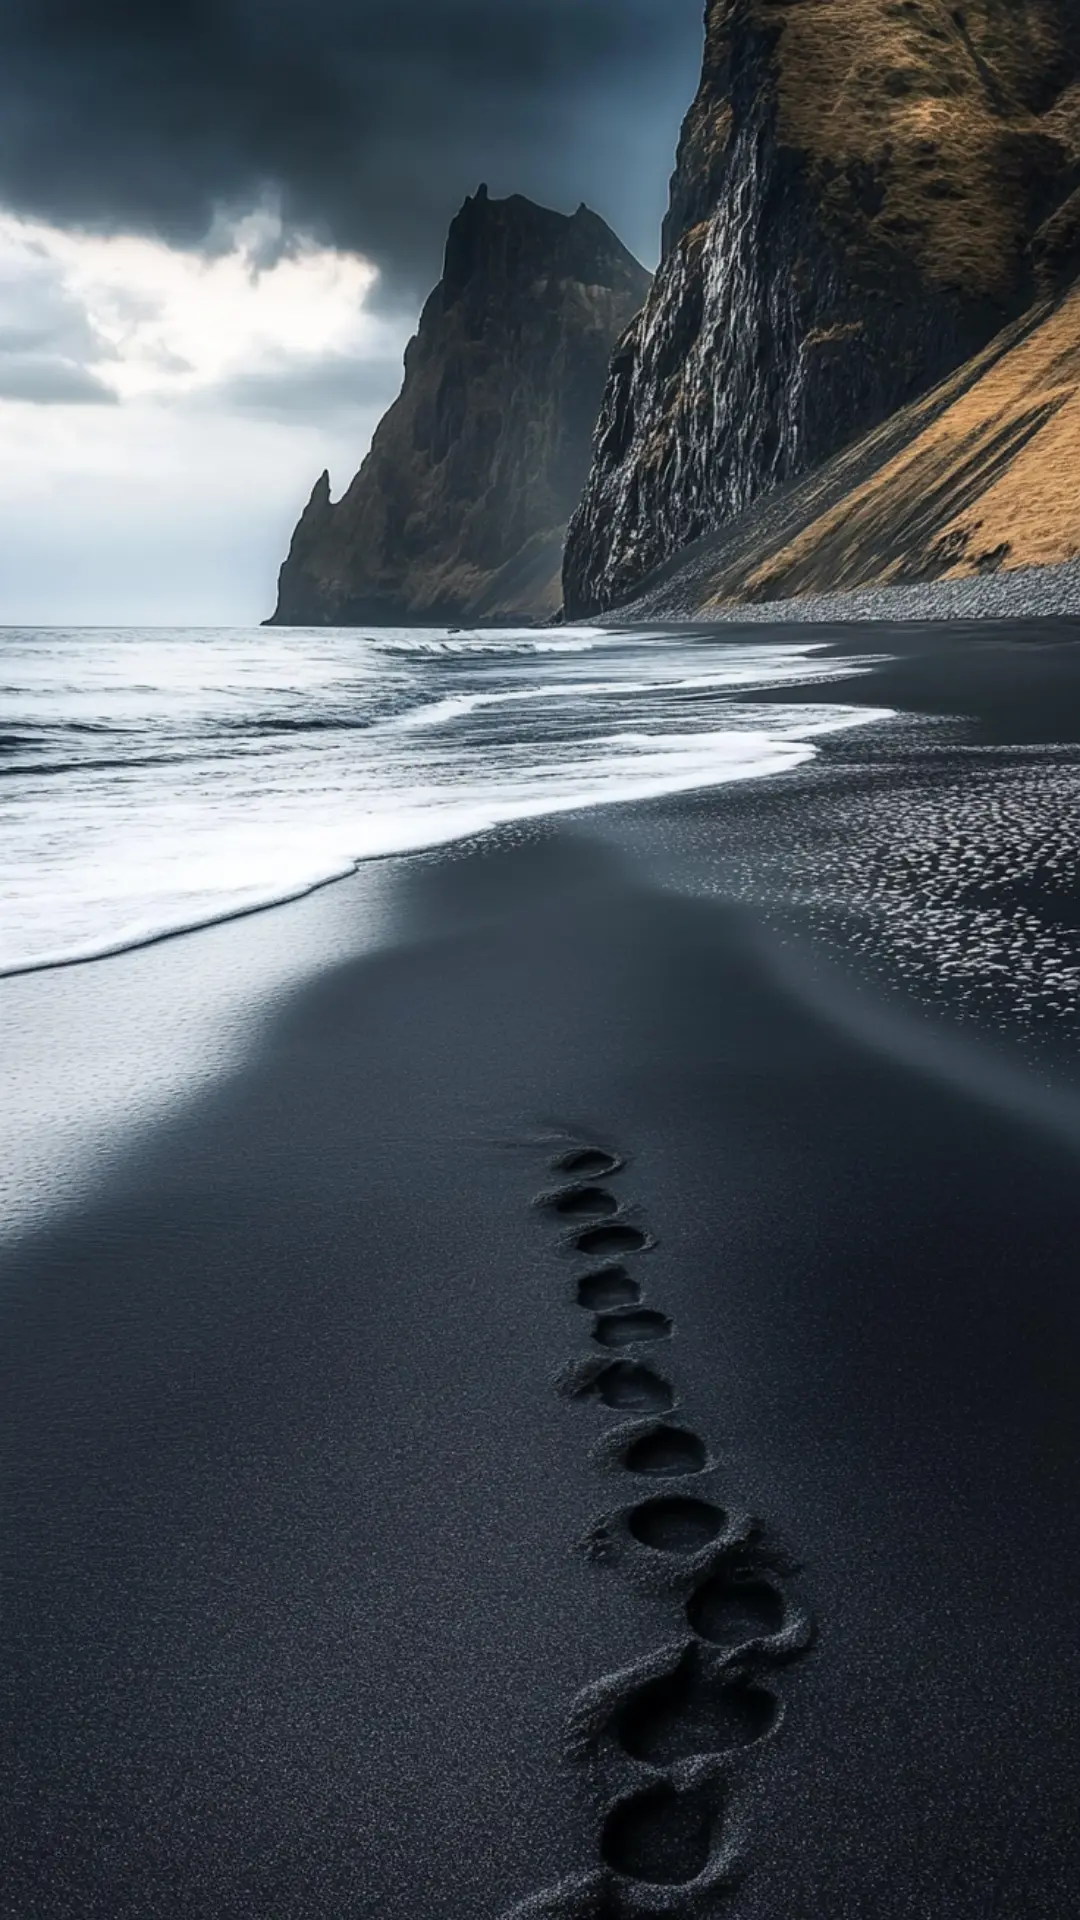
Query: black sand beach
{"points": [[314, 1532]]}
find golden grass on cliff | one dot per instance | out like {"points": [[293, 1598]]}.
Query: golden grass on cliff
{"points": [[925, 123], [993, 481]]}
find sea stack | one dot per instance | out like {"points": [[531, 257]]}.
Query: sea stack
{"points": [[860, 203], [459, 512]]}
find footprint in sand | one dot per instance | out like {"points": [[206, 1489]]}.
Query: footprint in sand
{"points": [[632, 1328], [588, 1163], [666, 1836], [662, 1836], [584, 1203], [736, 1607], [675, 1523], [666, 1452], [614, 1239], [608, 1287], [626, 1385], [691, 1711]]}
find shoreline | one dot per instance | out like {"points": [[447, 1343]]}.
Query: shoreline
{"points": [[1022, 593], [488, 819]]}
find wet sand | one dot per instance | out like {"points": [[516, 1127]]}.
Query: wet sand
{"points": [[362, 1557]]}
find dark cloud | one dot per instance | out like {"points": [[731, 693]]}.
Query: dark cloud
{"points": [[47, 381], [40, 316], [48, 343], [371, 117]]}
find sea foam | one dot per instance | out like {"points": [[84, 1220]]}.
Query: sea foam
{"points": [[157, 781]]}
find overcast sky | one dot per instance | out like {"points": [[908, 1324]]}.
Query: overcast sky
{"points": [[218, 220]]}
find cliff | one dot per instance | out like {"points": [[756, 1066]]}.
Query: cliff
{"points": [[459, 511], [979, 476], [866, 193]]}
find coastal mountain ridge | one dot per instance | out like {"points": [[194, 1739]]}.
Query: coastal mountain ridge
{"points": [[459, 511], [867, 192]]}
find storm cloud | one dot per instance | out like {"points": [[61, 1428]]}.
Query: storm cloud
{"points": [[369, 120]]}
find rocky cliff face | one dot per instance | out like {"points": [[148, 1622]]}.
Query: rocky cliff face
{"points": [[866, 191], [976, 476], [459, 511]]}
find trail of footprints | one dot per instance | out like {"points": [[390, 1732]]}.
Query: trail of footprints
{"points": [[670, 1743]]}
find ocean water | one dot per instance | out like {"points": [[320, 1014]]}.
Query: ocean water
{"points": [[156, 780]]}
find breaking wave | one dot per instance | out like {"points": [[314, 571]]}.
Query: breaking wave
{"points": [[157, 781]]}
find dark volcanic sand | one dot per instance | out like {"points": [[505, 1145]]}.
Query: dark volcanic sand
{"points": [[295, 1608]]}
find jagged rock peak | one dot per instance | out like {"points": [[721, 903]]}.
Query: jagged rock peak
{"points": [[460, 509], [497, 238], [865, 192]]}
